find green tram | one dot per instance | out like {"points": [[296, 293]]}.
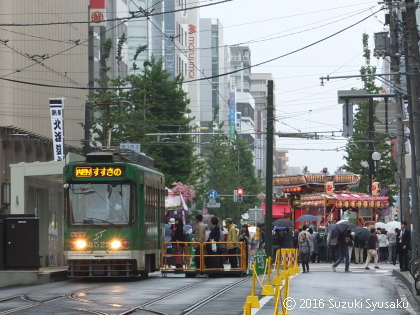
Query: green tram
{"points": [[113, 217]]}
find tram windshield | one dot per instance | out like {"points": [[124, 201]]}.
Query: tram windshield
{"points": [[100, 203]]}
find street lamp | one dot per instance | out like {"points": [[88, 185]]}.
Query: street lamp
{"points": [[376, 156]]}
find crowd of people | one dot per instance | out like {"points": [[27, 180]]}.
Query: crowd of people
{"points": [[381, 246], [314, 245], [217, 254]]}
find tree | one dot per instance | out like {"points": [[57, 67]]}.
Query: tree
{"points": [[153, 104], [357, 145], [229, 167]]}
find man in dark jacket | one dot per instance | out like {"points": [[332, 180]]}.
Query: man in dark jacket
{"points": [[403, 240], [343, 251], [372, 244]]}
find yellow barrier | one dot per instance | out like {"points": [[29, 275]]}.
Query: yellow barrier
{"points": [[192, 256], [268, 289], [253, 299]]}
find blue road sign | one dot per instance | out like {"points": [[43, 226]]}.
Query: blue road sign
{"points": [[213, 194]]}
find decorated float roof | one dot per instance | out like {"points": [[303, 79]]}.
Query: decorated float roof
{"points": [[315, 179]]}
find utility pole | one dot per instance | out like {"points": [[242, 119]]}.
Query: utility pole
{"points": [[269, 170], [371, 139], [399, 101], [412, 56], [91, 84]]}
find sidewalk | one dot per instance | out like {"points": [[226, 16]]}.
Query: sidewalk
{"points": [[408, 281], [323, 283], [25, 277]]}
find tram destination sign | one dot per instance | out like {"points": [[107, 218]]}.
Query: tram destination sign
{"points": [[99, 171]]}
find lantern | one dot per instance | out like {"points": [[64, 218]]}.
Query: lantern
{"points": [[340, 204], [353, 204], [359, 204], [378, 204], [329, 188], [346, 204], [365, 204], [371, 203]]}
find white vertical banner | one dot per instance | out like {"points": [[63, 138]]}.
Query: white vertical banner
{"points": [[56, 112]]}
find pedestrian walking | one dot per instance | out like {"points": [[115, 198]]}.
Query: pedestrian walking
{"points": [[232, 246], [372, 251], [343, 252], [404, 242], [392, 248], [305, 250]]}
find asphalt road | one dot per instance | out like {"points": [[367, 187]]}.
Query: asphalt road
{"points": [[322, 291]]}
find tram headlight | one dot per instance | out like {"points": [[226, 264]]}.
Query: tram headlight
{"points": [[80, 244], [116, 244]]}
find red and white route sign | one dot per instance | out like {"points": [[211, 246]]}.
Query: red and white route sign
{"points": [[97, 12]]}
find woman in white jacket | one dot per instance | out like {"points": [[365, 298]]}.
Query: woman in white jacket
{"points": [[383, 246]]}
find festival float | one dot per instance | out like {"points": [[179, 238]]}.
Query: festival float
{"points": [[328, 197]]}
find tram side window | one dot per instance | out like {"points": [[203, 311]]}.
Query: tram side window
{"points": [[151, 204]]}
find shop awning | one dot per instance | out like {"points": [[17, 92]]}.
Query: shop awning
{"points": [[279, 210]]}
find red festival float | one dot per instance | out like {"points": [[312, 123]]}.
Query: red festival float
{"points": [[327, 197]]}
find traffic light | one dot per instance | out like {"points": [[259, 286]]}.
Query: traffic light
{"points": [[240, 194]]}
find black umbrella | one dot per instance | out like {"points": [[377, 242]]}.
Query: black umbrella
{"points": [[342, 227], [307, 218], [331, 226], [362, 233], [283, 223]]}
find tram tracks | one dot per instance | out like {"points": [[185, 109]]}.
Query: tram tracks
{"points": [[144, 306], [31, 302], [36, 302]]}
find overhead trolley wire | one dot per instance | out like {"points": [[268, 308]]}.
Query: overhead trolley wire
{"points": [[214, 76]]}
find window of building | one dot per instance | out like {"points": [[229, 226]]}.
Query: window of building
{"points": [[261, 82], [259, 93], [245, 109]]}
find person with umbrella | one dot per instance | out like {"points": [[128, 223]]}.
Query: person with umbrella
{"points": [[372, 244], [343, 251]]}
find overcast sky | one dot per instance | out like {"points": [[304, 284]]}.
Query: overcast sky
{"points": [[279, 27]]}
